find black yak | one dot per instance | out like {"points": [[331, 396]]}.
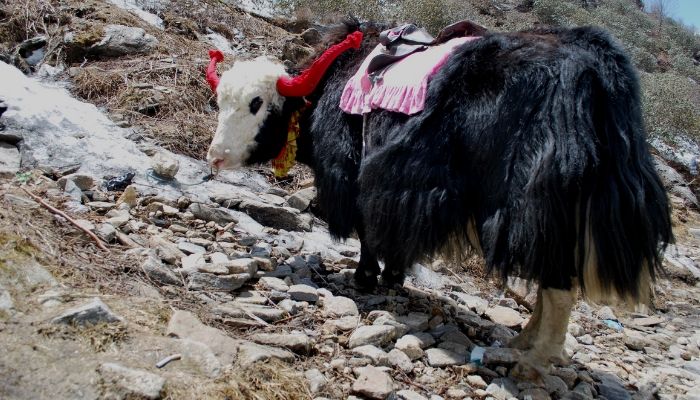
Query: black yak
{"points": [[530, 148]]}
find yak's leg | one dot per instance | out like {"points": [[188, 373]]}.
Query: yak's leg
{"points": [[548, 343], [525, 340], [368, 270]]}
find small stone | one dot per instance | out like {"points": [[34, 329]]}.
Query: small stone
{"points": [[216, 269], [296, 342], [500, 356], [504, 316], [107, 232], [302, 292], [272, 283], [6, 303], [411, 345], [82, 181], [165, 249], [371, 334], [534, 394], [302, 199], [476, 381], [94, 312], [242, 265], [191, 248], [417, 322], [409, 395], [606, 313], [477, 304], [204, 281], [10, 160], [459, 338], [568, 375], [119, 382], [218, 215], [343, 324], [398, 359], [338, 306], [635, 341], [502, 389], [373, 383], [249, 353], [165, 165], [292, 307], [611, 387], [317, 381], [378, 356], [443, 358], [576, 330], [585, 339], [85, 224], [153, 267], [129, 197], [555, 385]]}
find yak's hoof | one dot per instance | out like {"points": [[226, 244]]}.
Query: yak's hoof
{"points": [[365, 282], [391, 279], [528, 371]]}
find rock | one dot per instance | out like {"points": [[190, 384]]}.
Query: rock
{"points": [[585, 339], [317, 381], [568, 375], [476, 381], [6, 303], [94, 312], [378, 356], [191, 248], [9, 160], [338, 306], [648, 321], [373, 383], [584, 389], [371, 334], [458, 338], [302, 292], [119, 382], [409, 395], [82, 181], [399, 360], [296, 342], [165, 165], [635, 341], [100, 206], [286, 218], [534, 394], [159, 273], [411, 345], [272, 283], [477, 304], [504, 316], [555, 385], [500, 356], [576, 330], [444, 358], [417, 322], [390, 320], [120, 40], [611, 388], [165, 249], [261, 249], [242, 265], [129, 197], [250, 353], [206, 213], [192, 263], [343, 324], [311, 36], [606, 313], [204, 281], [185, 325], [302, 199], [502, 389], [107, 232]]}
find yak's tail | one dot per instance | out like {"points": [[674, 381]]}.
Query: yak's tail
{"points": [[626, 217]]}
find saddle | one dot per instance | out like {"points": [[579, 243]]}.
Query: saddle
{"points": [[402, 41]]}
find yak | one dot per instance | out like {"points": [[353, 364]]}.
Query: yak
{"points": [[530, 148]]}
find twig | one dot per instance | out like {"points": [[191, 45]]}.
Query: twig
{"points": [[64, 215], [162, 363]]}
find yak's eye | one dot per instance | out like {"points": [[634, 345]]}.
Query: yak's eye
{"points": [[255, 105]]}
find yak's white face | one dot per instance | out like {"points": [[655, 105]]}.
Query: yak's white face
{"points": [[246, 95]]}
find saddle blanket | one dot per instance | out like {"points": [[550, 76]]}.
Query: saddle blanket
{"points": [[402, 86]]}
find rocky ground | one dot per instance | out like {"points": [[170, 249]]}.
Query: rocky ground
{"points": [[231, 288]]}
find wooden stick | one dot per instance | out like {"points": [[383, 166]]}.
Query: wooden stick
{"points": [[64, 215]]}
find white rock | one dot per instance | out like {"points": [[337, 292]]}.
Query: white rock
{"points": [[373, 383], [378, 356], [411, 345], [371, 334], [338, 306], [504, 316], [272, 283], [477, 304], [9, 160], [409, 395], [165, 165], [93, 312], [121, 382], [296, 342], [398, 359], [444, 358], [250, 353], [302, 292], [317, 381]]}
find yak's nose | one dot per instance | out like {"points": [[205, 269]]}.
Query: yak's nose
{"points": [[217, 157]]}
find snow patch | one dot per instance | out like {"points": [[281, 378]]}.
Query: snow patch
{"points": [[220, 42], [133, 7], [263, 8]]}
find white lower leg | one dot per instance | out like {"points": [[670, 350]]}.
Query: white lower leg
{"points": [[525, 338]]}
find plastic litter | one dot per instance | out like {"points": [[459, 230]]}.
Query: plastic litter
{"points": [[477, 355], [120, 182], [613, 324]]}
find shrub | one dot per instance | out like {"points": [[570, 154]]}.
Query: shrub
{"points": [[671, 105]]}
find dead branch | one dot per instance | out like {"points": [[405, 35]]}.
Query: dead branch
{"points": [[54, 210]]}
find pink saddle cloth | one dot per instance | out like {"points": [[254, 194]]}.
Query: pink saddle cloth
{"points": [[401, 87]]}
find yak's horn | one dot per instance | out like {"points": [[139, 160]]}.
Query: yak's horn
{"points": [[215, 56], [305, 83]]}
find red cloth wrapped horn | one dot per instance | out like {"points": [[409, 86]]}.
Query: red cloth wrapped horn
{"points": [[215, 56], [305, 83]]}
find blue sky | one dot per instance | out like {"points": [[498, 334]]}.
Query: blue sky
{"points": [[687, 11]]}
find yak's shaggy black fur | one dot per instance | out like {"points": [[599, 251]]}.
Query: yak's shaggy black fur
{"points": [[529, 135]]}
